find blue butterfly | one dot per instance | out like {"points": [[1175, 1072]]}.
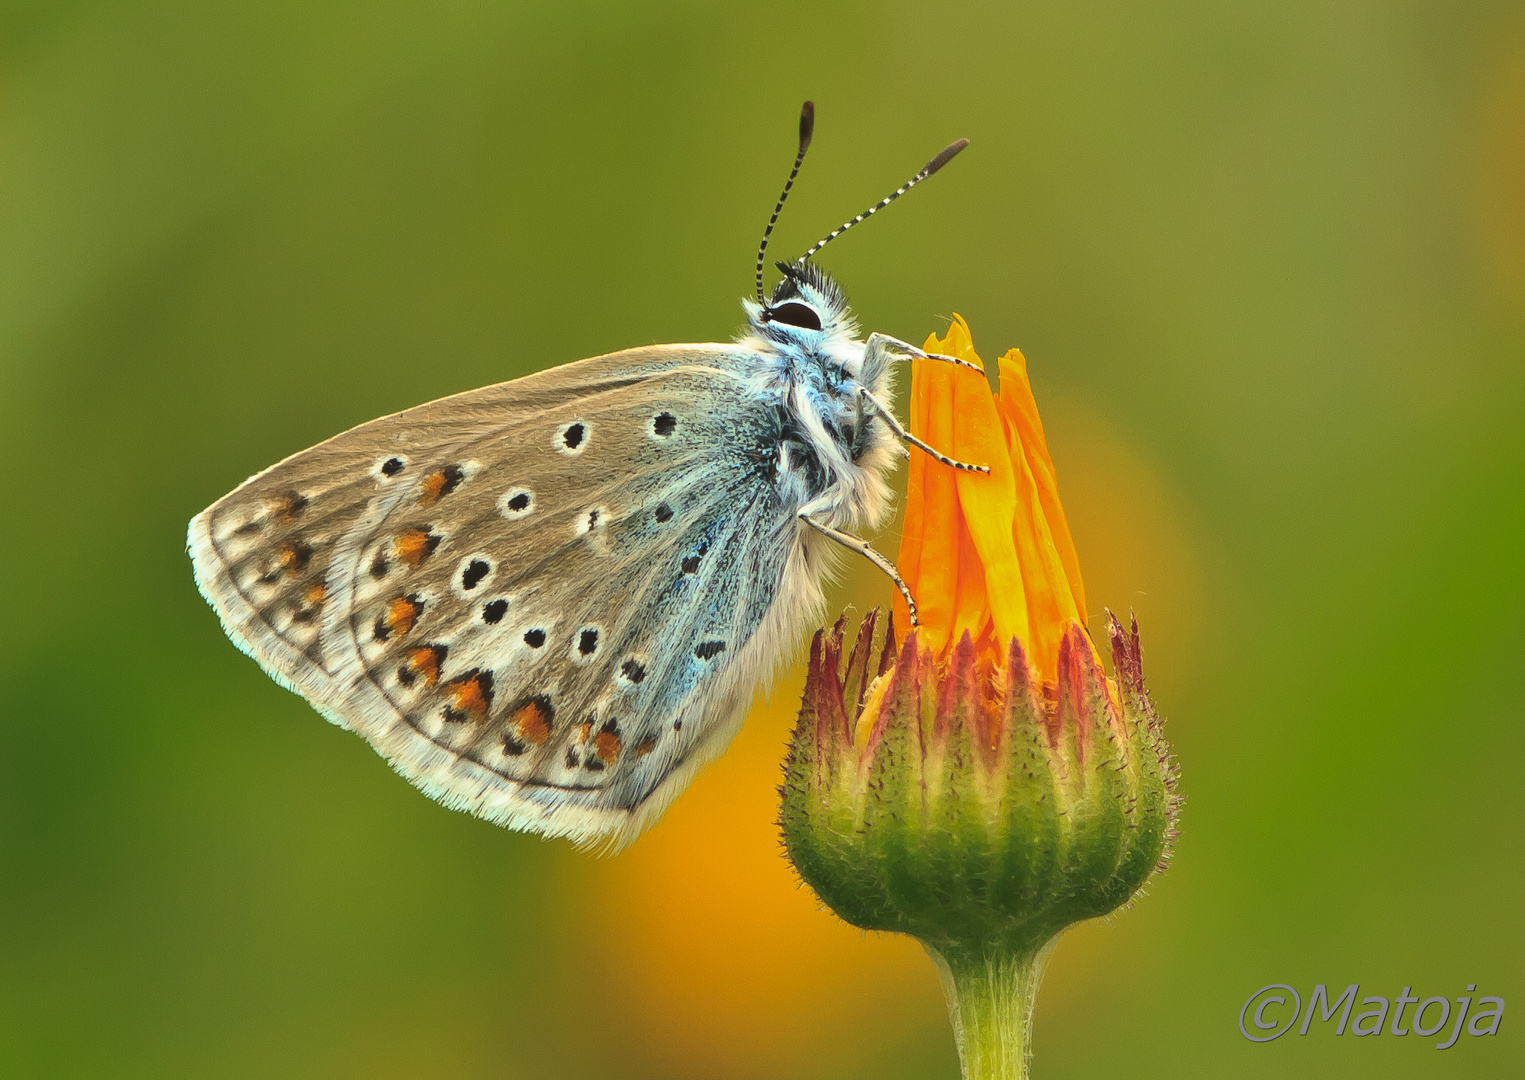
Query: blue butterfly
{"points": [[548, 602]]}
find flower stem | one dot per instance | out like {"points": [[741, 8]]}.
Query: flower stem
{"points": [[990, 993]]}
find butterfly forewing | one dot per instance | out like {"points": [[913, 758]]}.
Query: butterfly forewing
{"points": [[530, 598]]}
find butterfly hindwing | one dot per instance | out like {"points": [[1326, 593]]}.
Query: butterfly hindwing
{"points": [[545, 602]]}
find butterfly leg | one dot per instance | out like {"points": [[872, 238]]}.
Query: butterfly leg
{"points": [[808, 514], [881, 348], [883, 411]]}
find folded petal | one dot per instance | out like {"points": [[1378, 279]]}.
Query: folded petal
{"points": [[1021, 411], [932, 567], [990, 555]]}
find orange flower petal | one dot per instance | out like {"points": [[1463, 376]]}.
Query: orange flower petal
{"points": [[1049, 601], [1020, 407], [988, 502], [988, 555], [971, 604], [935, 582]]}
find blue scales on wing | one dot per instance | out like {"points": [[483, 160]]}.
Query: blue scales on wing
{"points": [[546, 602]]}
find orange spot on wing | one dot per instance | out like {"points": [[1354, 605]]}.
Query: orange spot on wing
{"points": [[415, 545], [647, 745], [471, 694], [607, 746], [294, 556], [587, 729], [440, 483], [434, 483], [402, 613], [286, 506], [533, 722], [425, 661], [312, 603]]}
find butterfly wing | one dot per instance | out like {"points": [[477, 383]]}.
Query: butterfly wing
{"points": [[546, 602]]}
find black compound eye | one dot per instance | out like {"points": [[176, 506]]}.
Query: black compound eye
{"points": [[801, 315]]}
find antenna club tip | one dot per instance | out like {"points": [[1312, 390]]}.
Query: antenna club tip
{"points": [[807, 124], [949, 153]]}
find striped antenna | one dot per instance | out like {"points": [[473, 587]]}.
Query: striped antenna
{"points": [[807, 129], [949, 152]]}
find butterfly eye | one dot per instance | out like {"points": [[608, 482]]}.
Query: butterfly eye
{"points": [[801, 315]]}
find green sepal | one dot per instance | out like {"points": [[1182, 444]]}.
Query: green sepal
{"points": [[1032, 805]]}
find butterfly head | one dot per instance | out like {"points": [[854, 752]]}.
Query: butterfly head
{"points": [[807, 308]]}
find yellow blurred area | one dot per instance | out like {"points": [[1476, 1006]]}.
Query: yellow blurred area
{"points": [[718, 946]]}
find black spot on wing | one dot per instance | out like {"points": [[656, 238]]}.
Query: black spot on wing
{"points": [[690, 565]]}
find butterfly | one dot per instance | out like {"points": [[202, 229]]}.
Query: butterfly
{"points": [[548, 602]]}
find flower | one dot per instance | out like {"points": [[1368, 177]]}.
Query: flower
{"points": [[984, 785], [986, 553]]}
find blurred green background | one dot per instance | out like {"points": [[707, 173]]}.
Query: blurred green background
{"points": [[1267, 264]]}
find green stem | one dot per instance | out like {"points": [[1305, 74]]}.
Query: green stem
{"points": [[990, 993]]}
